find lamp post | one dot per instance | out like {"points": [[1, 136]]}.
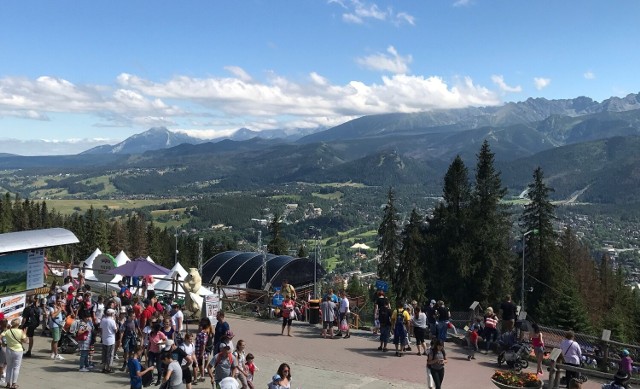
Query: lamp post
{"points": [[175, 258], [524, 245]]}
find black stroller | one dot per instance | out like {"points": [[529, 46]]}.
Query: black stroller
{"points": [[513, 352]]}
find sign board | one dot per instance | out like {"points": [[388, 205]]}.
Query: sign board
{"points": [[12, 306], [555, 353], [102, 264], [35, 269], [212, 305], [606, 335], [21, 271], [382, 285], [522, 315]]}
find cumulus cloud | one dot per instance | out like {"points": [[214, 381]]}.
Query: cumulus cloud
{"points": [[541, 82], [589, 75], [499, 81], [392, 62], [239, 72], [357, 12], [227, 103]]}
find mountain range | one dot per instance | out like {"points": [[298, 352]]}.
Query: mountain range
{"points": [[582, 145]]}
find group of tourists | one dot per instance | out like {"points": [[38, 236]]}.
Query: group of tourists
{"points": [[335, 312]]}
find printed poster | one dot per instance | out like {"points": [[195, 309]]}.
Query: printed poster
{"points": [[212, 306], [12, 306], [13, 272], [35, 269]]}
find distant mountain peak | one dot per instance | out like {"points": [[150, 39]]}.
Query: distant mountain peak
{"points": [[155, 138]]}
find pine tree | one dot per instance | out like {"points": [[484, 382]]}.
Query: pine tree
{"points": [[388, 242], [491, 269], [537, 218], [118, 237], [302, 251], [6, 214], [278, 244], [409, 280]]}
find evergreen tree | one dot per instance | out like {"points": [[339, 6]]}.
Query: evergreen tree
{"points": [[118, 237], [491, 269], [388, 242], [302, 251], [538, 217], [278, 244], [354, 287], [6, 214], [137, 229], [409, 279]]}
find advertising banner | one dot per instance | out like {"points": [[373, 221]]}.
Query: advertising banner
{"points": [[102, 264], [13, 272], [12, 306]]}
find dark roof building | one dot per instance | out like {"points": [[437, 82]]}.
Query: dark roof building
{"points": [[237, 267]]}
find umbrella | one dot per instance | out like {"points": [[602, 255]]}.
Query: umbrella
{"points": [[360, 246], [139, 268]]}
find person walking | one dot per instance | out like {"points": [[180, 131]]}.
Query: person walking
{"points": [[344, 314], [384, 316], [432, 320], [419, 323], [223, 365], [538, 346], [288, 314], [508, 309], [490, 328], [135, 368], [436, 360], [443, 320], [108, 328], [328, 309], [30, 321], [156, 342], [173, 371], [400, 319], [572, 353], [14, 337]]}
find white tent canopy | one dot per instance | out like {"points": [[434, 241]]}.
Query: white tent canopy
{"points": [[87, 263]]}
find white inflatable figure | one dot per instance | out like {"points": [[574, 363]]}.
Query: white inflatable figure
{"points": [[192, 285]]}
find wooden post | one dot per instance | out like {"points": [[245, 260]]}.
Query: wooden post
{"points": [[606, 336]]}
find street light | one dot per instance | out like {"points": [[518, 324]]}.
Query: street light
{"points": [[316, 233], [175, 258], [524, 245]]}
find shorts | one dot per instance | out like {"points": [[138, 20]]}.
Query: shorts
{"points": [[129, 343], [327, 324], [186, 375], [202, 361], [419, 334], [55, 334], [286, 322], [30, 331], [539, 350]]}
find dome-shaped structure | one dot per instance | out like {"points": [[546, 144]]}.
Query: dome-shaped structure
{"points": [[237, 267]]}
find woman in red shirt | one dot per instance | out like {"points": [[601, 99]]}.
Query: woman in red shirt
{"points": [[288, 314]]}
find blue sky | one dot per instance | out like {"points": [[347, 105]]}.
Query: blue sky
{"points": [[79, 73]]}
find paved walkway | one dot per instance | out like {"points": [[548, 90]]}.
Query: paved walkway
{"points": [[316, 363]]}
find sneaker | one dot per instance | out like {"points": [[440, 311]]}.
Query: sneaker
{"points": [[52, 356], [84, 370], [59, 357], [27, 354]]}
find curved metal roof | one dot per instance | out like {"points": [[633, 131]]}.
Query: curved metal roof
{"points": [[236, 267]]}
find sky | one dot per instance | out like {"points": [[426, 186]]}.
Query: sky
{"points": [[75, 74]]}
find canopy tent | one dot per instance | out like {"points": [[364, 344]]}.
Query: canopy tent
{"points": [[88, 263]]}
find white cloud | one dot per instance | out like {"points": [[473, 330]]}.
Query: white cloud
{"points": [[357, 12], [227, 103], [589, 75], [541, 82], [393, 62], [239, 72], [499, 80]]}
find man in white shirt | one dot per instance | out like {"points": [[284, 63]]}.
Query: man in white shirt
{"points": [[344, 312], [108, 327]]}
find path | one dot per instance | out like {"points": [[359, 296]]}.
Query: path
{"points": [[316, 363]]}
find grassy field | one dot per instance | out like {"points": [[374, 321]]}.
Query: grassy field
{"points": [[343, 184], [108, 186], [70, 206], [329, 196]]}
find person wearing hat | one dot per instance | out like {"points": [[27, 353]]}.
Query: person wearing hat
{"points": [[626, 363], [108, 328], [224, 365]]}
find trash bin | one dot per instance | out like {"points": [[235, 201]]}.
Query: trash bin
{"points": [[314, 311]]}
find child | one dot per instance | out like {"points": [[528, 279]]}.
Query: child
{"points": [[251, 369], [472, 338], [83, 336]]}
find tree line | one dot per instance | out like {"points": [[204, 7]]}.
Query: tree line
{"points": [[465, 250]]}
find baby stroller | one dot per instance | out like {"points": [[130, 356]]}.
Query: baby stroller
{"points": [[515, 354], [67, 343]]}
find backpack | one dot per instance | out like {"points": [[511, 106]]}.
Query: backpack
{"points": [[33, 319], [219, 358], [208, 347]]}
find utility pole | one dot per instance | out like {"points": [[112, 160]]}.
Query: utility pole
{"points": [[264, 260]]}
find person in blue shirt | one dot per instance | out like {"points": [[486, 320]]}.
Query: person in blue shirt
{"points": [[135, 368]]}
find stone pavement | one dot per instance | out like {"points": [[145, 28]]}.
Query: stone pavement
{"points": [[316, 363]]}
